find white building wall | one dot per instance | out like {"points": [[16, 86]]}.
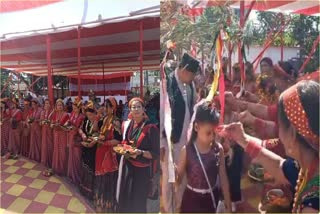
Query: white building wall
{"points": [[272, 52]]}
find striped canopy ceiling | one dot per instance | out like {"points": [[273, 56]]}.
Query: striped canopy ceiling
{"points": [[114, 45], [306, 7]]}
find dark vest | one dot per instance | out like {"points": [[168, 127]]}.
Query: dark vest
{"points": [[177, 106]]}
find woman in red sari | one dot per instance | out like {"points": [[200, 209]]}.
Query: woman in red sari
{"points": [[35, 132], [47, 138], [15, 130], [5, 126], [106, 161], [59, 119], [25, 132], [74, 160]]}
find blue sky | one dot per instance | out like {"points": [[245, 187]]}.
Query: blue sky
{"points": [[68, 12]]}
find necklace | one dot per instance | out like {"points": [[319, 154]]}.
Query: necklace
{"points": [[303, 183], [73, 118], [89, 124], [59, 117], [134, 134]]}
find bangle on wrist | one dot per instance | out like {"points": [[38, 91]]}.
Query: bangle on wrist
{"points": [[253, 149]]}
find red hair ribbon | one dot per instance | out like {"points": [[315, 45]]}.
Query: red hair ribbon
{"points": [[298, 117], [138, 99]]}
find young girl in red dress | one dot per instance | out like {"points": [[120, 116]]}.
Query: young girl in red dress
{"points": [[202, 161]]}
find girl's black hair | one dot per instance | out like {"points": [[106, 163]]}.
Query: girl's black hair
{"points": [[267, 60], [91, 110], [308, 91], [27, 100], [205, 114], [288, 68]]}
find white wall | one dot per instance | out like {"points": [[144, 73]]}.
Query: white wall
{"points": [[272, 52]]}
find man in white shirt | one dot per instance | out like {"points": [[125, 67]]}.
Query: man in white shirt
{"points": [[178, 101]]}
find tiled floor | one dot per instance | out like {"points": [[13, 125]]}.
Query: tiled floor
{"points": [[25, 190]]}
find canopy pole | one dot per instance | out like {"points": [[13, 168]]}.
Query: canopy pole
{"points": [[281, 36], [69, 86], [230, 47], [141, 59], [104, 84], [249, 11], [79, 61], [50, 88], [240, 57], [314, 47]]}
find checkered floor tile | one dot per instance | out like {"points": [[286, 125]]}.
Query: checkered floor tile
{"points": [[25, 190]]}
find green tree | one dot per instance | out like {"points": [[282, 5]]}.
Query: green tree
{"points": [[301, 32], [61, 82], [4, 77], [201, 31]]}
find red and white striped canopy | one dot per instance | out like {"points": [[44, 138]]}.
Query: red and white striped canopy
{"points": [[114, 46], [306, 7], [111, 84]]}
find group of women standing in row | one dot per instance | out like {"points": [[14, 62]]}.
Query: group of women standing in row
{"points": [[80, 146]]}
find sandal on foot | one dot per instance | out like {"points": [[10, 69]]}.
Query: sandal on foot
{"points": [[47, 173]]}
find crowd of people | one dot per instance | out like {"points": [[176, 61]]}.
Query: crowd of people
{"points": [[78, 143], [272, 119]]}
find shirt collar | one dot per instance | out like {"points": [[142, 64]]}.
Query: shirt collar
{"points": [[177, 77]]}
